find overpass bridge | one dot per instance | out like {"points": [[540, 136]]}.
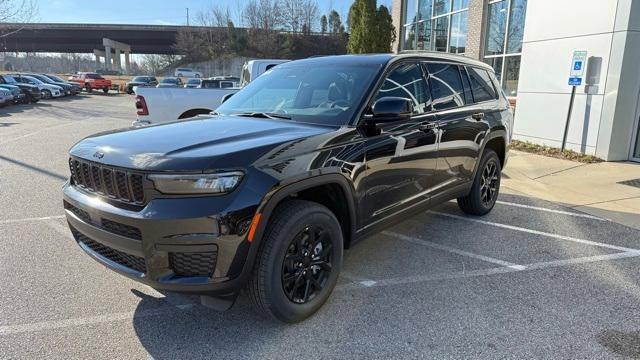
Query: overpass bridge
{"points": [[85, 38]]}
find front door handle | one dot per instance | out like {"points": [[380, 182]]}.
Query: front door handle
{"points": [[427, 126], [478, 116]]}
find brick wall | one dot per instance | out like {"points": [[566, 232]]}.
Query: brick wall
{"points": [[475, 28], [396, 14]]}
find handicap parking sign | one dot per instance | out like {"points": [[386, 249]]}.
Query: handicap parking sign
{"points": [[577, 66]]}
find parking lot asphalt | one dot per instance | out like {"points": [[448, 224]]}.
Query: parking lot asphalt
{"points": [[530, 280]]}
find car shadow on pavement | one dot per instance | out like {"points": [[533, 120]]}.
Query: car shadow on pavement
{"points": [[194, 331]]}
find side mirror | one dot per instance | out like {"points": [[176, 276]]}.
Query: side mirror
{"points": [[226, 97], [389, 109]]}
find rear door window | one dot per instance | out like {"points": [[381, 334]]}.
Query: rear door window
{"points": [[446, 86], [407, 81], [481, 85]]}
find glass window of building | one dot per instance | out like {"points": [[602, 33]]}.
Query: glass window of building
{"points": [[503, 41], [439, 25]]}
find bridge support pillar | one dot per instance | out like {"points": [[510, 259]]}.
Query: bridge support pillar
{"points": [[107, 58], [117, 60], [127, 62], [119, 48]]}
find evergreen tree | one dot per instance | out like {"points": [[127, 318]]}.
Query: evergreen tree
{"points": [[323, 24], [372, 29], [385, 29]]}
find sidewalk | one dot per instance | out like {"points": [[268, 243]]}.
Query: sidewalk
{"points": [[589, 188]]}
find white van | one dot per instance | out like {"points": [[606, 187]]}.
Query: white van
{"points": [[187, 72]]}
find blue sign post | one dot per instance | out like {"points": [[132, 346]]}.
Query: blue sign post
{"points": [[578, 64]]}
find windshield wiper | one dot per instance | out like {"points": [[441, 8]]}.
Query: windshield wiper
{"points": [[265, 115]]}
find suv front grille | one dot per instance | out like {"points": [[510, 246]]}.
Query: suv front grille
{"points": [[83, 215], [121, 229], [122, 258], [107, 181], [193, 264]]}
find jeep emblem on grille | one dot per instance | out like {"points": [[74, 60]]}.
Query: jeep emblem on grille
{"points": [[98, 155]]}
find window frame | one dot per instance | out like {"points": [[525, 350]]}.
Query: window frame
{"points": [[464, 91], [496, 91], [407, 23], [505, 54], [383, 77]]}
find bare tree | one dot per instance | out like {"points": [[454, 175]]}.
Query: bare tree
{"points": [[310, 15], [262, 14], [292, 14], [16, 12]]}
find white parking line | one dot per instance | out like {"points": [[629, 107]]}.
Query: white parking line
{"points": [[535, 232], [44, 218], [487, 272], [552, 210], [90, 320], [453, 250]]}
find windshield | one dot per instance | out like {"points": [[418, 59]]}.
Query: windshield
{"points": [[169, 81], [34, 80], [9, 79], [326, 94], [141, 79], [194, 81], [55, 78], [94, 76], [42, 78]]}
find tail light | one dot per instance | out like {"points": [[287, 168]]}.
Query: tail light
{"points": [[141, 105]]}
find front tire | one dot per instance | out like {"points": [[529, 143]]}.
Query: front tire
{"points": [[46, 94], [298, 263], [105, 90], [486, 186], [88, 88]]}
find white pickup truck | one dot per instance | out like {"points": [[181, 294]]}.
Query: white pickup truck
{"points": [[158, 105]]}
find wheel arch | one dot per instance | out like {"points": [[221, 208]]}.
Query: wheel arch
{"points": [[339, 200], [497, 141], [193, 112]]}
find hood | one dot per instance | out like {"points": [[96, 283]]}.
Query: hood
{"points": [[167, 85], [62, 85], [51, 87], [13, 88], [203, 143]]}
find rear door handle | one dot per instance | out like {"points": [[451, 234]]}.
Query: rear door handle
{"points": [[478, 116]]}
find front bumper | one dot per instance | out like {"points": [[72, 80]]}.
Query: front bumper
{"points": [[177, 244]]}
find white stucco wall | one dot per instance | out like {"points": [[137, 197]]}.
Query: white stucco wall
{"points": [[553, 30]]}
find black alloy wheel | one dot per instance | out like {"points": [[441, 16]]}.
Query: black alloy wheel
{"points": [[489, 183], [307, 264], [486, 186], [298, 263]]}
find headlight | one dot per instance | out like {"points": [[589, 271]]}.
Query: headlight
{"points": [[196, 183]]}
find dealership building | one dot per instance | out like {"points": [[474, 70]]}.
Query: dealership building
{"points": [[530, 45]]}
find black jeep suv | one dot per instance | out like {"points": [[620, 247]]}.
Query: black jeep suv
{"points": [[265, 194]]}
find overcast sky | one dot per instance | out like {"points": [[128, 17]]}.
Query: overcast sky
{"points": [[150, 11]]}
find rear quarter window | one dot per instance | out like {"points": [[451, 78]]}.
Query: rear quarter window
{"points": [[481, 85]]}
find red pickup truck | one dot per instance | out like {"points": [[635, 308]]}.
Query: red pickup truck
{"points": [[90, 81]]}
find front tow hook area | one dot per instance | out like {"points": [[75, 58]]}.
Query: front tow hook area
{"points": [[218, 303]]}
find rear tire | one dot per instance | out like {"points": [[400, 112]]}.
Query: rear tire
{"points": [[105, 90], [486, 186], [298, 263]]}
